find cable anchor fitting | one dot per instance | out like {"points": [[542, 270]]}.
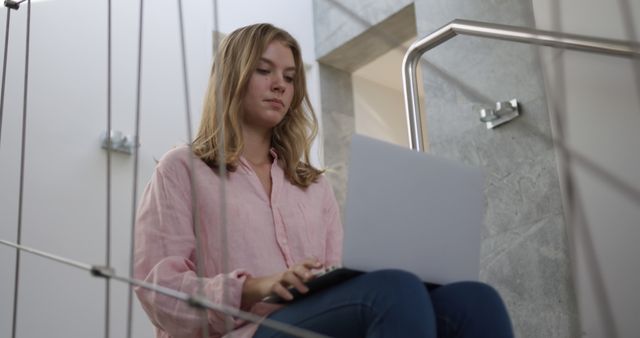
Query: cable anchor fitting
{"points": [[12, 4], [102, 271]]}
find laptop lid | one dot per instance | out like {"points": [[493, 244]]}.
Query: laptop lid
{"points": [[412, 211]]}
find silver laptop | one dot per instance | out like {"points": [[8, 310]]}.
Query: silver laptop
{"points": [[412, 211], [407, 210]]}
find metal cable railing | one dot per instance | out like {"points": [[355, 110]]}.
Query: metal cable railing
{"points": [[195, 301], [457, 27], [16, 284]]}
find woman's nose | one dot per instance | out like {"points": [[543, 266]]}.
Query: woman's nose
{"points": [[277, 82]]}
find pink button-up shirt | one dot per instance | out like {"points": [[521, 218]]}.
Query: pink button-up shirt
{"points": [[265, 235]]}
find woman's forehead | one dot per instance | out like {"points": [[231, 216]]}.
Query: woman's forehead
{"points": [[277, 53]]}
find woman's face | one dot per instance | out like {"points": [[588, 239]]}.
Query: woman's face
{"points": [[270, 88]]}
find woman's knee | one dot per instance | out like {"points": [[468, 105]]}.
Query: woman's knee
{"points": [[479, 291], [470, 308], [394, 286], [401, 298], [472, 294]]}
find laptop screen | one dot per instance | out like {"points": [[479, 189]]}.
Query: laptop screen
{"points": [[412, 211]]}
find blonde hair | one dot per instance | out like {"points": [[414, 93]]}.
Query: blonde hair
{"points": [[234, 65]]}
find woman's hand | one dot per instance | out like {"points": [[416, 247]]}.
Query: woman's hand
{"points": [[255, 289]]}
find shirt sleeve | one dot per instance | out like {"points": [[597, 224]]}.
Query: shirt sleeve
{"points": [[165, 256], [334, 227]]}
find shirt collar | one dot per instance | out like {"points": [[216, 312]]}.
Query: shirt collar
{"points": [[245, 163], [273, 153]]}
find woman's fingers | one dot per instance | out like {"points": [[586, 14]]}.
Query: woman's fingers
{"points": [[304, 269], [290, 278], [295, 277], [302, 272], [281, 291], [311, 263]]}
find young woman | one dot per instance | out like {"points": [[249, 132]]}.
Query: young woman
{"points": [[282, 220]]}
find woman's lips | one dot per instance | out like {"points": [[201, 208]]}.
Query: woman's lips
{"points": [[276, 103]]}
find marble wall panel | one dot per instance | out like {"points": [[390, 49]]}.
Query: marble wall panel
{"points": [[338, 124], [338, 21]]}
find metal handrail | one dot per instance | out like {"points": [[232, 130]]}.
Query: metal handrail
{"points": [[499, 32]]}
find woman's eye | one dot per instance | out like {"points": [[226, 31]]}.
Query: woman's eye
{"points": [[262, 71], [289, 79]]}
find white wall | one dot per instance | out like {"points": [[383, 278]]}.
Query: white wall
{"points": [[603, 117], [379, 111], [65, 177], [378, 99]]}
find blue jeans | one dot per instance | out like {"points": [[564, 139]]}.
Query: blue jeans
{"points": [[393, 303]]}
